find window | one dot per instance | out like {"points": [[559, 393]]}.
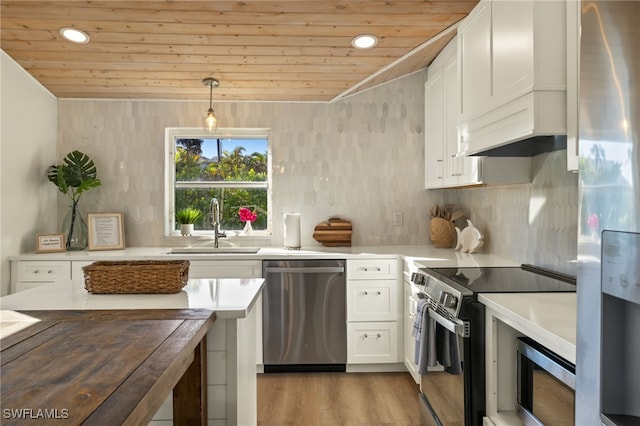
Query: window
{"points": [[231, 165]]}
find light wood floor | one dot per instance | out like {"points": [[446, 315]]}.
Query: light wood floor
{"points": [[319, 399]]}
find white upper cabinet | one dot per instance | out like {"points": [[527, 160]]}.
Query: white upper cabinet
{"points": [[474, 59], [444, 167], [434, 129], [573, 59], [512, 66]]}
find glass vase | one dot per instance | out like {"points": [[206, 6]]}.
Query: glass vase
{"points": [[247, 230], [75, 229]]}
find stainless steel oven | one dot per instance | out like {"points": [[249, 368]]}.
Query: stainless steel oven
{"points": [[444, 398], [452, 371], [450, 335], [545, 385]]}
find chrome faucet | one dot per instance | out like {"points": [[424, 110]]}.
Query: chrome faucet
{"points": [[214, 217]]}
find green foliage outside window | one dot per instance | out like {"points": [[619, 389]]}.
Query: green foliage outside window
{"points": [[235, 165]]}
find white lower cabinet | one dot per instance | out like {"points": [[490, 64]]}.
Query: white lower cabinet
{"points": [[410, 307], [371, 299], [374, 328], [372, 342], [30, 274]]}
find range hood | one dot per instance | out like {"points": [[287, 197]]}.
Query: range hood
{"points": [[529, 147]]}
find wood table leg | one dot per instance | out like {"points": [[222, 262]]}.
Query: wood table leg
{"points": [[190, 393]]}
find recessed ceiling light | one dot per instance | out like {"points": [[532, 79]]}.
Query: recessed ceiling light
{"points": [[364, 41], [74, 35]]}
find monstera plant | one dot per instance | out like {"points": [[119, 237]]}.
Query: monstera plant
{"points": [[76, 175]]}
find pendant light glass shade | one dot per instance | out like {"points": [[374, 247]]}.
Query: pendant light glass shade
{"points": [[210, 121]]}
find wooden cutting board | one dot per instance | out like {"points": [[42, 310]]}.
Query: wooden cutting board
{"points": [[335, 232]]}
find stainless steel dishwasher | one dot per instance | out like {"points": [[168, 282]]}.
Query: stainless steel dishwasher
{"points": [[304, 315]]}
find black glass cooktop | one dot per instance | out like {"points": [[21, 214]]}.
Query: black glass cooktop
{"points": [[508, 279]]}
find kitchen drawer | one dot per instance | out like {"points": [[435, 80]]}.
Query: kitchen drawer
{"points": [[372, 342], [36, 271], [363, 269], [225, 269], [372, 300]]}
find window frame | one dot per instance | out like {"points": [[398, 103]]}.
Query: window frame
{"points": [[173, 133]]}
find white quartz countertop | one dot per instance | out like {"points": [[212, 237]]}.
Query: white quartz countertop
{"points": [[548, 318], [229, 297], [423, 255]]}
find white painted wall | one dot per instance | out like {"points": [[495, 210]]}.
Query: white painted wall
{"points": [[28, 146]]}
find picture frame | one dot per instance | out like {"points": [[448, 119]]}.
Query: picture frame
{"points": [[50, 243], [106, 231]]}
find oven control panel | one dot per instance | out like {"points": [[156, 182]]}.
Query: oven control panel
{"points": [[441, 296]]}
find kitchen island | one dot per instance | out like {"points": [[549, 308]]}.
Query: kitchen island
{"points": [[230, 343]]}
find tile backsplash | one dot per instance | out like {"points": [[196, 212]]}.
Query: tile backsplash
{"points": [[532, 223], [360, 159]]}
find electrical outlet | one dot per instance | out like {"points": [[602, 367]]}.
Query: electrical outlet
{"points": [[397, 218]]}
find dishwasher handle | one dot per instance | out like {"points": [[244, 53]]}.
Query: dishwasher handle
{"points": [[305, 270]]}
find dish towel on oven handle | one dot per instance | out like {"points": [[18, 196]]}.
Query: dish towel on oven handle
{"points": [[424, 334], [448, 350], [434, 343]]}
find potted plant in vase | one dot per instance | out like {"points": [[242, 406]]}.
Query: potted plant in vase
{"points": [[186, 218], [76, 175], [248, 217]]}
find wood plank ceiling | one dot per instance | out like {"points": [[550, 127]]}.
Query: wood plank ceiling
{"points": [[259, 50]]}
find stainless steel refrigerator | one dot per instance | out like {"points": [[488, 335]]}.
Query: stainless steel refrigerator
{"points": [[608, 290]]}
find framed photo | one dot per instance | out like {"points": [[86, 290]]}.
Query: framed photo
{"points": [[50, 243], [106, 231]]}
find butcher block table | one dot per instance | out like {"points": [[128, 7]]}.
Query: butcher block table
{"points": [[103, 367]]}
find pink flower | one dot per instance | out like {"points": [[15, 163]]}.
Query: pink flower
{"points": [[593, 221], [247, 215]]}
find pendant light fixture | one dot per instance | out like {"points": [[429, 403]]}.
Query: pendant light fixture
{"points": [[211, 121]]}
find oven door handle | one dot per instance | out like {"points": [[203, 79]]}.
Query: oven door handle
{"points": [[459, 327]]}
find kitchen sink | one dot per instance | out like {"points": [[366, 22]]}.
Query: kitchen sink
{"points": [[214, 250]]}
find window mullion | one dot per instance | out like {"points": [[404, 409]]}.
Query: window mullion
{"points": [[220, 184]]}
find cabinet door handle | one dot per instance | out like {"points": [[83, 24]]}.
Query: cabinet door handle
{"points": [[50, 271], [373, 269], [377, 336]]}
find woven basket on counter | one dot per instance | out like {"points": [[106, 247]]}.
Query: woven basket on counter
{"points": [[443, 233], [140, 276]]}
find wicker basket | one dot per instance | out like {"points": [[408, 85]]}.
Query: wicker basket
{"points": [[142, 276], [443, 233]]}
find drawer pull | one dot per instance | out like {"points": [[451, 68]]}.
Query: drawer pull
{"points": [[366, 293], [377, 269], [50, 271], [377, 336]]}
